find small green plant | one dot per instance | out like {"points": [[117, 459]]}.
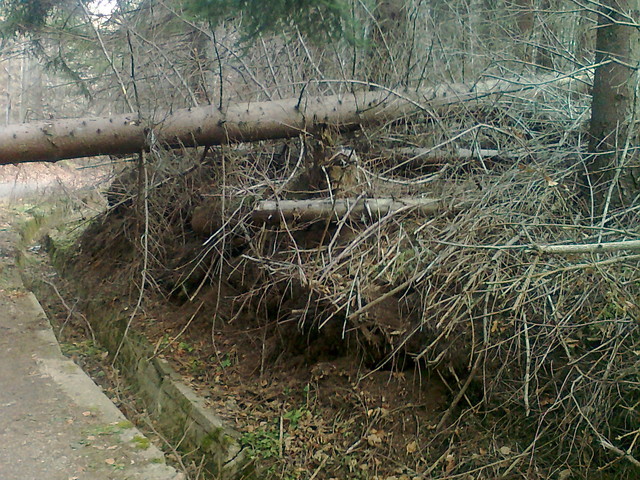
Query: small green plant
{"points": [[294, 416], [164, 342], [110, 428], [226, 361], [196, 367], [141, 442], [262, 442], [85, 348], [184, 346], [118, 466]]}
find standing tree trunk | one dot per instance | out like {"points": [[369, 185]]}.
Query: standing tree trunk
{"points": [[387, 41], [613, 169], [532, 32]]}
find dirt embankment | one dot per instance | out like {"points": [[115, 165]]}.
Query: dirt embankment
{"points": [[404, 345], [305, 396]]}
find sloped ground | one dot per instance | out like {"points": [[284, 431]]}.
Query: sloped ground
{"points": [[405, 346], [36, 179], [55, 422]]}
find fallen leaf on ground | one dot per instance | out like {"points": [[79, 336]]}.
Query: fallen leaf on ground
{"points": [[451, 464], [505, 450], [412, 447], [375, 438]]}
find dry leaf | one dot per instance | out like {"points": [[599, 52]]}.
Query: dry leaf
{"points": [[381, 411], [110, 461], [545, 400], [550, 181], [451, 464], [375, 438], [564, 474], [505, 450]]}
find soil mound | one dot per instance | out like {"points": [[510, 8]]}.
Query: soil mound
{"points": [[389, 343]]}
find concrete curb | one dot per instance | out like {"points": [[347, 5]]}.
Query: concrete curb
{"points": [[55, 422], [178, 412], [86, 394]]}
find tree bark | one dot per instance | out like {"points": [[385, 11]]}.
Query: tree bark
{"points": [[613, 172], [273, 211], [55, 140], [388, 31]]}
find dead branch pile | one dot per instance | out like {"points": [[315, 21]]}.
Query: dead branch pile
{"points": [[543, 343]]}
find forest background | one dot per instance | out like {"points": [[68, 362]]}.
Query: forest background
{"points": [[519, 294]]}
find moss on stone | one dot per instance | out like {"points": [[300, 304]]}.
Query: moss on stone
{"points": [[141, 442]]}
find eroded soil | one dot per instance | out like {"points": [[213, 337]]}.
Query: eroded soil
{"points": [[304, 407], [333, 416]]}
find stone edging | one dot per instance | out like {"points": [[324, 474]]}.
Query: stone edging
{"points": [[177, 411]]}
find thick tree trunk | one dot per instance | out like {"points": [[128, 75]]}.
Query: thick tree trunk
{"points": [[613, 169], [387, 42], [533, 32], [120, 134]]}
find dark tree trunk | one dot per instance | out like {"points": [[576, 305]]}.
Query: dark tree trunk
{"points": [[387, 34], [613, 173]]}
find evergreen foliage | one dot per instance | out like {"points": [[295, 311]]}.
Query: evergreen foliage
{"points": [[319, 19], [25, 16]]}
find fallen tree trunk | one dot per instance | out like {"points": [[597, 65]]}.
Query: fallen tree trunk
{"points": [[55, 140], [273, 211], [413, 157], [587, 247]]}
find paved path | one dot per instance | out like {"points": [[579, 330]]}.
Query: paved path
{"points": [[55, 423]]}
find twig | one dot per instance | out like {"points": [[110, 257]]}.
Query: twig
{"points": [[435, 464], [588, 247], [623, 155], [145, 256], [621, 453], [175, 339], [174, 449], [381, 298], [337, 208], [107, 57], [281, 437], [606, 444], [71, 311], [527, 373], [460, 394], [519, 457], [317, 470], [558, 249]]}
